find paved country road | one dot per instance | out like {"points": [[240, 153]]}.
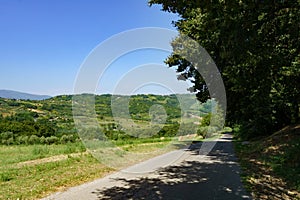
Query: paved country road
{"points": [[178, 174]]}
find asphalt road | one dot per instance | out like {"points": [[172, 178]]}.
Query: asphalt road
{"points": [[180, 174]]}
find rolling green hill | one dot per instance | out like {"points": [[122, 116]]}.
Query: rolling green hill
{"points": [[51, 120], [44, 147]]}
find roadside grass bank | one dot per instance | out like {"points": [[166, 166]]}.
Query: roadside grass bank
{"points": [[35, 171], [20, 180], [271, 165]]}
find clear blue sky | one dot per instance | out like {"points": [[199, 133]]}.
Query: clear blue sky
{"points": [[44, 42]]}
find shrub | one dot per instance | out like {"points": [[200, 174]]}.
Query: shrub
{"points": [[42, 140], [202, 131], [206, 120], [51, 140], [33, 139], [23, 140], [64, 139], [10, 141], [6, 135]]}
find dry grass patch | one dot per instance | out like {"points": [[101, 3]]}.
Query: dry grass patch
{"points": [[271, 165]]}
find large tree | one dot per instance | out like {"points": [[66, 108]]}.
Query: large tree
{"points": [[255, 45]]}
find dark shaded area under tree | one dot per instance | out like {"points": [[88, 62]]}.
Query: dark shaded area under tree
{"points": [[194, 179]]}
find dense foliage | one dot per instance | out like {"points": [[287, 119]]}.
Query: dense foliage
{"points": [[28, 122], [51, 121], [255, 45]]}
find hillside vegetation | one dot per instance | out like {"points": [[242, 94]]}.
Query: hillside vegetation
{"points": [[45, 148], [51, 121]]}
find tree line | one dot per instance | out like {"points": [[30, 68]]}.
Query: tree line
{"points": [[26, 128], [255, 45]]}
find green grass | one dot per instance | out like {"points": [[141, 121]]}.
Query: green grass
{"points": [[38, 179], [19, 153], [31, 182], [142, 140]]}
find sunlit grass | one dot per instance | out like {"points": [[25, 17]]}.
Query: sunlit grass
{"points": [[31, 182], [38, 179]]}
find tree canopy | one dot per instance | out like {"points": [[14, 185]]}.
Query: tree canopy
{"points": [[255, 45]]}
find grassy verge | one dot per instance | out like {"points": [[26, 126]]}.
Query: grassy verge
{"points": [[19, 153], [37, 179], [271, 165], [34, 171]]}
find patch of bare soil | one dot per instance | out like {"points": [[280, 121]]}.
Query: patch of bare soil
{"points": [[49, 159]]}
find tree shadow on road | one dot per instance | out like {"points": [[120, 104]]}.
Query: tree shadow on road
{"points": [[215, 178]]}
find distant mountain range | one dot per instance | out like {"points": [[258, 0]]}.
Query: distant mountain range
{"points": [[10, 94]]}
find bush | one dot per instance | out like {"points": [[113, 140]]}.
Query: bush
{"points": [[42, 140], [72, 138], [28, 105], [64, 139], [23, 140], [6, 135], [206, 120], [10, 141], [34, 139], [51, 140], [207, 131], [227, 130], [202, 131]]}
